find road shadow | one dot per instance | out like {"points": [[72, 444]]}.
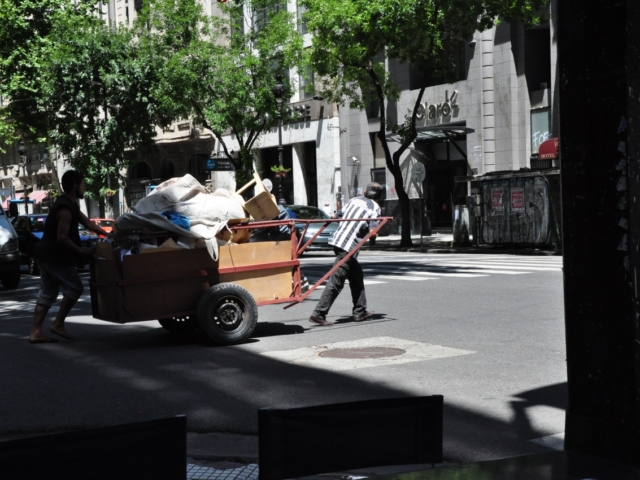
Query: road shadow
{"points": [[276, 329]]}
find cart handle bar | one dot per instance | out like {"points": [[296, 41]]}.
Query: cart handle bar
{"points": [[374, 231]]}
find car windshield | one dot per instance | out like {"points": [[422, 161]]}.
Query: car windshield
{"points": [[308, 213], [37, 223]]}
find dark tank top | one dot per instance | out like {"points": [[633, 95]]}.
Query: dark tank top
{"points": [[48, 249]]}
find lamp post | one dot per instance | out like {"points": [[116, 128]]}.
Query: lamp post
{"points": [[23, 162], [278, 93]]}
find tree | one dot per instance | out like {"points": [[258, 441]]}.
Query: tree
{"points": [[75, 82], [221, 69], [96, 87], [26, 27], [351, 40]]}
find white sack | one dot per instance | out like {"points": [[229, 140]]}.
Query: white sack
{"points": [[169, 194], [205, 208]]}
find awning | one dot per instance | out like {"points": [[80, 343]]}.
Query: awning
{"points": [[548, 149], [437, 134], [36, 196]]}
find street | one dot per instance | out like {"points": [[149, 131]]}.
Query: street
{"points": [[485, 331]]}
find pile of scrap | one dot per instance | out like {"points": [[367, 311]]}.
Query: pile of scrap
{"points": [[190, 217]]}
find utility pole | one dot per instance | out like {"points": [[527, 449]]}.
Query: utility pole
{"points": [[599, 85]]}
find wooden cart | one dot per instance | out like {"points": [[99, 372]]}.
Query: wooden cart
{"points": [[186, 289]]}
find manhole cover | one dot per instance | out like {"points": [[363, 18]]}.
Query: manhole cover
{"points": [[365, 352]]}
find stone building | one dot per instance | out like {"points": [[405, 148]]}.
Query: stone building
{"points": [[493, 118]]}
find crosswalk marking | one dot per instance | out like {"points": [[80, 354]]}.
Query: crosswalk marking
{"points": [[404, 277], [414, 268], [502, 266], [451, 274]]}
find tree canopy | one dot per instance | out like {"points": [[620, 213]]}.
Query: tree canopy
{"points": [[61, 68], [96, 94], [352, 39], [221, 69]]}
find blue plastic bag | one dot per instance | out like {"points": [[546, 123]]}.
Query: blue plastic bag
{"points": [[178, 219]]}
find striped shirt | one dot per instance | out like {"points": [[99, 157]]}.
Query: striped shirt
{"points": [[348, 234]]}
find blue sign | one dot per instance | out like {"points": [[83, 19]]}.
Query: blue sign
{"points": [[219, 165]]}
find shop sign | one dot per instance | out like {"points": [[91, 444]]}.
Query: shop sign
{"points": [[429, 114], [517, 200], [497, 204], [219, 165]]}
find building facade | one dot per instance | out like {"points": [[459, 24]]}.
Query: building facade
{"points": [[493, 118]]}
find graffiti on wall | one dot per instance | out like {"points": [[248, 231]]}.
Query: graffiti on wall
{"points": [[515, 211]]}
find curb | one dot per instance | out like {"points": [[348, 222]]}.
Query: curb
{"points": [[216, 447]]}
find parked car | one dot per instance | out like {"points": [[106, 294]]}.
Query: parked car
{"points": [[30, 229], [9, 253], [313, 213], [106, 224]]}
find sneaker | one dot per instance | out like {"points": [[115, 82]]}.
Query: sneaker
{"points": [[364, 316], [319, 321]]}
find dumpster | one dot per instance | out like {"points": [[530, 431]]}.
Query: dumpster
{"points": [[520, 208]]}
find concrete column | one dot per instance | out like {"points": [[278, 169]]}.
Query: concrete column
{"points": [[300, 196], [488, 118]]}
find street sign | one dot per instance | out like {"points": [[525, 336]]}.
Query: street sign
{"points": [[219, 165], [418, 172]]}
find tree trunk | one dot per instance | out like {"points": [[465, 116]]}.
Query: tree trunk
{"points": [[598, 47], [405, 208]]}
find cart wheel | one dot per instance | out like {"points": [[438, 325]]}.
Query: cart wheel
{"points": [[227, 313], [184, 324]]}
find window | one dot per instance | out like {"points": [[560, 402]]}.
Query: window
{"points": [[37, 223], [260, 15], [302, 26], [537, 58], [379, 159], [540, 126], [306, 84]]}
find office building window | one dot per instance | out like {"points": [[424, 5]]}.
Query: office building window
{"points": [[260, 15], [306, 84], [302, 26], [540, 126]]}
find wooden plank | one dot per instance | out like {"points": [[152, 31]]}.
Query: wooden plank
{"points": [[263, 284], [262, 207], [260, 252]]}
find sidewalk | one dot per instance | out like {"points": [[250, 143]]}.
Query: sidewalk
{"points": [[442, 243], [232, 456]]}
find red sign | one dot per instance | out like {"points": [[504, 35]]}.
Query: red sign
{"points": [[548, 149], [497, 204], [517, 200]]}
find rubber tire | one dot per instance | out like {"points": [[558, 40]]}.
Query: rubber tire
{"points": [[233, 297], [32, 266], [179, 325], [11, 280]]}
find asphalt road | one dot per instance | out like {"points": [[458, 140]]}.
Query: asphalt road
{"points": [[485, 331]]}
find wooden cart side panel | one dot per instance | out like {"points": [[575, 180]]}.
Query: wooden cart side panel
{"points": [[167, 262], [106, 295], [158, 299], [270, 284], [258, 253]]}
